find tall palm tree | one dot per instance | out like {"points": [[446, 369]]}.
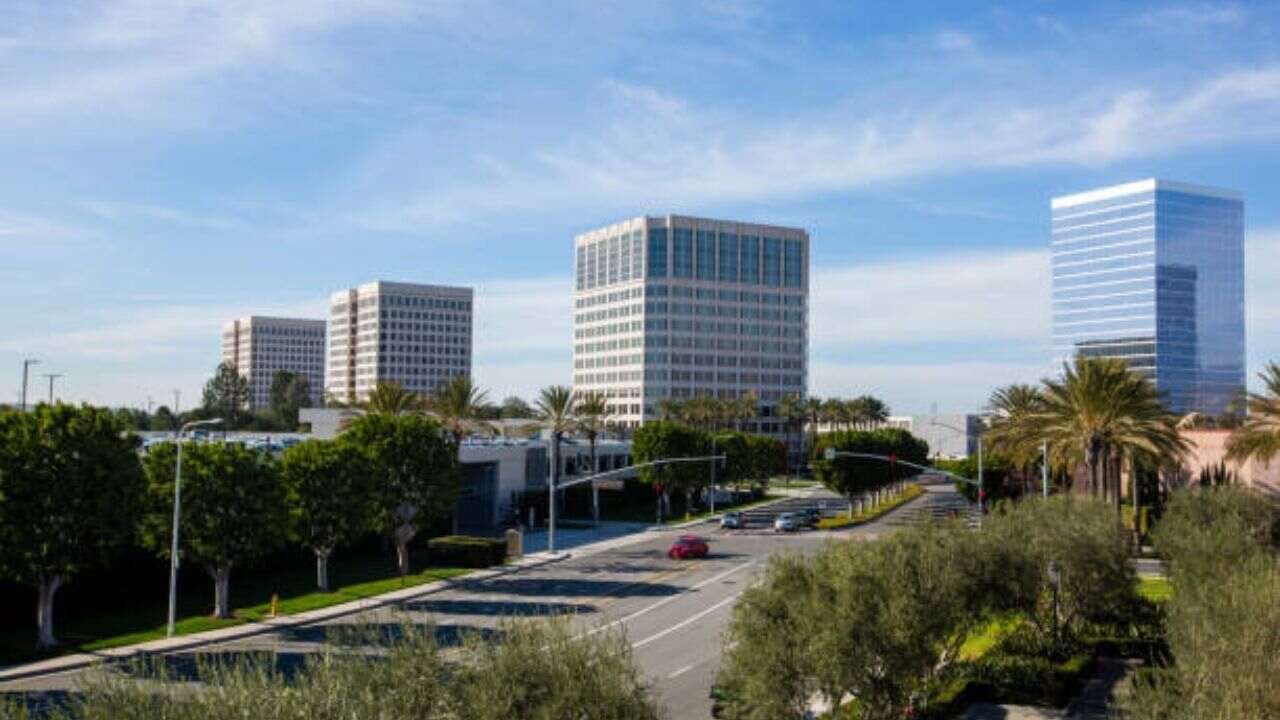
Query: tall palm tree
{"points": [[1100, 413], [593, 413], [1015, 429], [874, 411], [1259, 437], [389, 398], [813, 415], [458, 406], [670, 409], [793, 411], [555, 408], [832, 412], [745, 407]]}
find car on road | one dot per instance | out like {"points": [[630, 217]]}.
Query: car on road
{"points": [[732, 521], [808, 517], [687, 547], [786, 522]]}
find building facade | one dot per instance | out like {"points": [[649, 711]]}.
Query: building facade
{"points": [[418, 336], [259, 347], [1153, 272], [674, 307]]}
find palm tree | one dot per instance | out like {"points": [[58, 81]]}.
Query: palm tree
{"points": [[670, 409], [1015, 426], [832, 412], [458, 406], [745, 407], [389, 398], [792, 409], [874, 411], [555, 407], [1100, 413], [593, 413], [1259, 437], [813, 415]]}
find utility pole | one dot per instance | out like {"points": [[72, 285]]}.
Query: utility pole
{"points": [[177, 401], [26, 365], [150, 403], [52, 377], [1044, 468]]}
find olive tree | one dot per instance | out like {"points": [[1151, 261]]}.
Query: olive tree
{"points": [[233, 508], [415, 473], [70, 492], [330, 494]]}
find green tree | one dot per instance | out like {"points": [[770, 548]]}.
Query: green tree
{"points": [[556, 409], [330, 493], [70, 493], [515, 408], [1015, 430], [290, 392], [1258, 438], [855, 477], [233, 508], [163, 419], [415, 473], [738, 460], [458, 406], [768, 457], [662, 440], [593, 413], [390, 398], [226, 395]]}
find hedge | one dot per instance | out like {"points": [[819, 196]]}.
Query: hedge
{"points": [[467, 551]]}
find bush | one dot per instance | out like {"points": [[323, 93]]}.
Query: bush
{"points": [[467, 551]]}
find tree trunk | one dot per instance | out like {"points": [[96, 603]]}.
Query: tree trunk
{"points": [[48, 588], [404, 534], [221, 597], [322, 568]]}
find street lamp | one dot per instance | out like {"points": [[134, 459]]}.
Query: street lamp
{"points": [[1055, 579], [981, 492], [52, 377], [177, 509], [26, 365]]}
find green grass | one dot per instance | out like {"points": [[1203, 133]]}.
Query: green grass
{"points": [[353, 577], [1155, 589], [911, 493], [982, 640]]}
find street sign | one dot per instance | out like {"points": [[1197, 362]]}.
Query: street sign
{"points": [[829, 454], [609, 484]]}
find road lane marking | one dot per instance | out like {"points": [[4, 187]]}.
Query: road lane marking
{"points": [[684, 623], [679, 672], [672, 598]]}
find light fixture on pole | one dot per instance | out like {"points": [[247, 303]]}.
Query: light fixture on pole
{"points": [[26, 365], [177, 509]]}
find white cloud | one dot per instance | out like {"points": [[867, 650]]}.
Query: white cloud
{"points": [[1194, 16]]}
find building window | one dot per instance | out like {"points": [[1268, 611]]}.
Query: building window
{"points": [[706, 255], [751, 259], [792, 275], [728, 258], [772, 262], [681, 253], [657, 266], [582, 267]]}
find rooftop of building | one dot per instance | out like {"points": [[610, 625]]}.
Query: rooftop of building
{"points": [[388, 287], [252, 320], [688, 220], [1142, 186]]}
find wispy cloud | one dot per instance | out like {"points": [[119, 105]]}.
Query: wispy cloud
{"points": [[1193, 16]]}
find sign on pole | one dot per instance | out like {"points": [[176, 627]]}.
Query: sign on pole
{"points": [[829, 454]]}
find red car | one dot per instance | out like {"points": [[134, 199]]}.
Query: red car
{"points": [[688, 546]]}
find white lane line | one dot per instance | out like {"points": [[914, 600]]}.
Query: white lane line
{"points": [[671, 598], [687, 621], [679, 672]]}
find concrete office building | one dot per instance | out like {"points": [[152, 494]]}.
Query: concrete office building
{"points": [[259, 347], [418, 336], [673, 307], [1153, 272]]}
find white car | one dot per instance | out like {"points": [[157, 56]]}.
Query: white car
{"points": [[785, 522]]}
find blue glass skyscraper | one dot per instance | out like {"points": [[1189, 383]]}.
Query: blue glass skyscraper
{"points": [[1153, 272]]}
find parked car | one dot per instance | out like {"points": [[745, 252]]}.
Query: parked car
{"points": [[809, 517], [786, 522], [732, 521], [688, 546]]}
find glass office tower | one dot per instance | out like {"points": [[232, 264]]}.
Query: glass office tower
{"points": [[1153, 272]]}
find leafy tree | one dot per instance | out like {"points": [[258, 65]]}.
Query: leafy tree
{"points": [[290, 392], [663, 440], [415, 473], [1015, 431], [516, 408], [389, 398], [133, 418], [163, 419], [233, 508], [226, 394], [738, 460], [593, 416], [854, 477], [70, 492], [768, 457], [330, 491], [1259, 436], [457, 405]]}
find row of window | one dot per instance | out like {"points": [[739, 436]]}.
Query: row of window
{"points": [[686, 253]]}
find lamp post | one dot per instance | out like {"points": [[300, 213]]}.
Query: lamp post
{"points": [[1055, 580], [26, 365], [713, 476], [177, 509], [52, 377], [1044, 468]]}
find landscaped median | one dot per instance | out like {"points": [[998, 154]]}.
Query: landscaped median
{"points": [[844, 520]]}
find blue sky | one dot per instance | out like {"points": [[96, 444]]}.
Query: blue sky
{"points": [[165, 167]]}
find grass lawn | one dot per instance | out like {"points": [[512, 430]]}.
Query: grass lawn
{"points": [[1155, 589], [983, 639], [353, 577], [911, 493]]}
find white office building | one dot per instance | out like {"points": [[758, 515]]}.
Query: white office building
{"points": [[259, 347], [674, 307], [418, 336]]}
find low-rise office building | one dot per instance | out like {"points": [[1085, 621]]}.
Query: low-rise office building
{"points": [[259, 347]]}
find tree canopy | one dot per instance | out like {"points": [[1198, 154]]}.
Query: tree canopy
{"points": [[330, 493]]}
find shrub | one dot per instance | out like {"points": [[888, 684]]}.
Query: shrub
{"points": [[467, 551]]}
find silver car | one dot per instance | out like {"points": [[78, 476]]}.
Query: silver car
{"points": [[786, 522], [731, 521]]}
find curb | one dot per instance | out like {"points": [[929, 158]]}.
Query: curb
{"points": [[79, 661]]}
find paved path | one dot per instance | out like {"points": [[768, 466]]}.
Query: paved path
{"points": [[672, 612]]}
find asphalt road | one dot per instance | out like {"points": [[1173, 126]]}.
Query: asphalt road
{"points": [[672, 612]]}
